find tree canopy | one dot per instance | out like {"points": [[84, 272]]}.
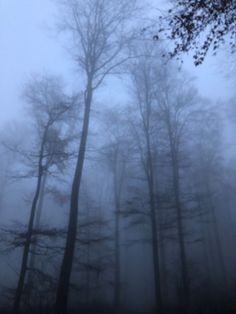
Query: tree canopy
{"points": [[199, 25]]}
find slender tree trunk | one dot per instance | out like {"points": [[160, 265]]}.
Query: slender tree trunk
{"points": [[87, 272], [24, 263], [32, 257], [41, 201], [180, 227], [98, 278], [205, 248], [206, 257], [155, 244], [155, 253], [164, 277], [118, 179], [66, 267], [117, 291], [219, 249], [180, 231]]}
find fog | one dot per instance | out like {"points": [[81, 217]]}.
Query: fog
{"points": [[117, 164]]}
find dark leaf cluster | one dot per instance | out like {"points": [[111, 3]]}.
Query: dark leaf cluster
{"points": [[199, 25]]}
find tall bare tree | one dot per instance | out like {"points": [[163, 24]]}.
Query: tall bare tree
{"points": [[144, 128], [116, 155], [48, 105], [100, 32], [176, 99], [208, 163]]}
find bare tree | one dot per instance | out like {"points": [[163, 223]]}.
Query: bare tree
{"points": [[116, 155], [48, 105], [176, 99], [208, 168], [144, 128], [97, 28]]}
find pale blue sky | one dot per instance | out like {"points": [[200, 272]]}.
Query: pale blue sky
{"points": [[29, 44]]}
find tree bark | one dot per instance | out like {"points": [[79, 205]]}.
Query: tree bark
{"points": [[182, 247], [24, 263], [118, 169], [155, 244], [164, 275], [180, 227], [66, 267], [32, 260], [219, 249], [117, 292], [88, 258]]}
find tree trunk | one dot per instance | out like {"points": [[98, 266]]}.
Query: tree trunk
{"points": [[32, 257], [164, 275], [219, 249], [117, 292], [183, 257], [180, 230], [155, 244], [207, 268], [88, 258], [155, 253], [66, 267], [118, 179], [180, 227], [24, 263]]}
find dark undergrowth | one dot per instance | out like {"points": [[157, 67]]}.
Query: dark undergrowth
{"points": [[201, 308]]}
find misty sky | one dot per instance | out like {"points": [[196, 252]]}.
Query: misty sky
{"points": [[29, 44], [156, 206]]}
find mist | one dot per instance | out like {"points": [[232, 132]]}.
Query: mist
{"points": [[117, 163]]}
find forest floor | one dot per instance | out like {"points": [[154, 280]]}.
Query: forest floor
{"points": [[109, 310]]}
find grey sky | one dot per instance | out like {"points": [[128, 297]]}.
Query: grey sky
{"points": [[28, 45]]}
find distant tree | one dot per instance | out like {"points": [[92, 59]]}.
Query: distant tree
{"points": [[116, 157], [144, 128], [208, 165], [48, 106], [199, 25], [93, 254], [177, 100], [165, 102]]}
